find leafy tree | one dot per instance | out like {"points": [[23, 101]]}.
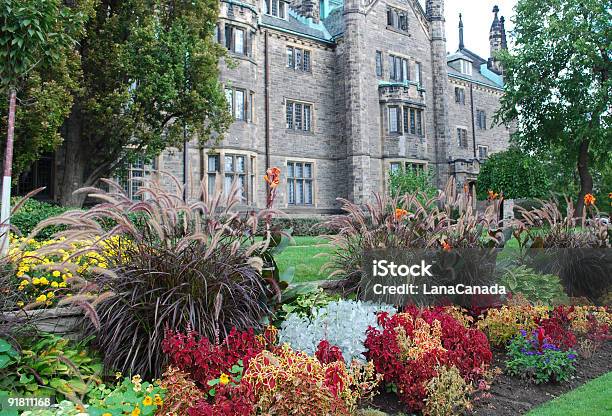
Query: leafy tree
{"points": [[37, 38], [558, 85], [516, 174], [150, 69]]}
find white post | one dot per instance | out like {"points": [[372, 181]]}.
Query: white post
{"points": [[6, 181], [5, 215]]}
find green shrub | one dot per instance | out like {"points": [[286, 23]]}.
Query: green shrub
{"points": [[48, 365], [412, 182], [516, 174], [31, 213], [536, 287]]}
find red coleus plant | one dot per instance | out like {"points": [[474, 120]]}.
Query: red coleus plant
{"points": [[412, 345], [558, 332], [206, 361], [229, 400], [327, 353]]}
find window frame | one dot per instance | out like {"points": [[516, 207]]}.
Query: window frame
{"points": [[293, 180], [230, 39], [281, 8], [132, 183], [398, 119], [413, 121], [397, 20], [403, 165], [460, 95], [401, 64], [462, 140], [304, 64], [486, 152], [248, 103], [219, 173], [379, 64], [306, 124], [481, 119], [465, 67]]}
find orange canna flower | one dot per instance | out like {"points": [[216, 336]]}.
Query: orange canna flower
{"points": [[273, 177], [445, 246], [400, 213], [589, 199], [492, 195]]}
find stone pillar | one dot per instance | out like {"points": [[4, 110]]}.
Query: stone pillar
{"points": [[435, 14], [356, 104]]}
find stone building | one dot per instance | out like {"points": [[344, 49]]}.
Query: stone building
{"points": [[337, 93]]}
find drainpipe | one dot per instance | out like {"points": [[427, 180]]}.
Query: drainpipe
{"points": [[473, 123], [267, 97]]}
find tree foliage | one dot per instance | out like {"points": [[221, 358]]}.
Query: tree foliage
{"points": [[150, 69], [39, 60], [409, 181], [557, 82], [516, 174]]}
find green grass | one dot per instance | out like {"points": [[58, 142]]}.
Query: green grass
{"points": [[593, 398], [301, 255]]}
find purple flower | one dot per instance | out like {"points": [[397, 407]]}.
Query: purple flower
{"points": [[523, 333], [551, 347], [571, 356]]}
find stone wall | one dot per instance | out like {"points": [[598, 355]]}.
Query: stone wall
{"points": [[349, 144]]}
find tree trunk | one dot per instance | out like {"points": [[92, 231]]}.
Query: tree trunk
{"points": [[586, 180], [8, 172], [72, 161]]}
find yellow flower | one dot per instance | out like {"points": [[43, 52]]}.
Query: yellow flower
{"points": [[158, 400], [54, 284], [20, 273], [62, 284], [50, 295], [56, 273], [136, 379], [20, 304], [41, 298], [36, 281], [44, 281], [224, 379], [136, 412], [148, 401], [118, 375], [24, 282], [106, 414]]}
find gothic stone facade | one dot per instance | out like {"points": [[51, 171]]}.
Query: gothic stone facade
{"points": [[338, 93]]}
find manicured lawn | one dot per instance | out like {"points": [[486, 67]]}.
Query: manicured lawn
{"points": [[593, 398], [302, 255], [305, 255]]}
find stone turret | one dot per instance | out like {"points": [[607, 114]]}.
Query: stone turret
{"points": [[356, 103], [497, 41], [435, 15]]}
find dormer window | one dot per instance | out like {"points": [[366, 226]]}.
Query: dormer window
{"points": [[276, 8], [397, 19], [466, 67]]}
